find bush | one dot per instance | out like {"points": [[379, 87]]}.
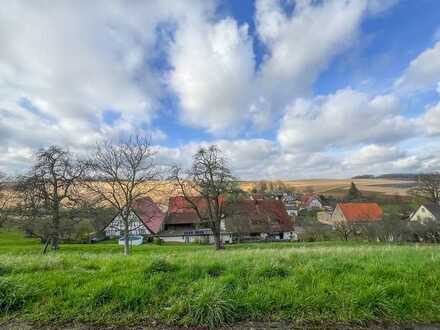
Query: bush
{"points": [[391, 229], [316, 232], [428, 232]]}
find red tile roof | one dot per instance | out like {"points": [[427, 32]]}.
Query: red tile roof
{"points": [[180, 211], [255, 216], [361, 212], [308, 198], [149, 213]]}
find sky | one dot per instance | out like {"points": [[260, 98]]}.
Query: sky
{"points": [[287, 89]]}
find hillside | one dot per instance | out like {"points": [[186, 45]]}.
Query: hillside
{"points": [[340, 186]]}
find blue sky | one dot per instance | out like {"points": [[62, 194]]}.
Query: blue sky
{"points": [[288, 89]]}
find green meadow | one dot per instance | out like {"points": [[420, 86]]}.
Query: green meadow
{"points": [[193, 285]]}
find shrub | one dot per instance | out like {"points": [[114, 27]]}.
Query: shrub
{"points": [[428, 231], [390, 229], [316, 232]]}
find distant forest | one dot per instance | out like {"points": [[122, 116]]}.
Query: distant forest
{"points": [[400, 176]]}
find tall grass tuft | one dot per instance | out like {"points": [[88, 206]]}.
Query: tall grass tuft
{"points": [[160, 266], [209, 306], [14, 295]]}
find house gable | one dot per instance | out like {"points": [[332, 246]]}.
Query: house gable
{"points": [[423, 214], [136, 226]]}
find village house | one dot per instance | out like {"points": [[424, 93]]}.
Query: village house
{"points": [[356, 213], [181, 223], [260, 218], [145, 219], [291, 209], [310, 202], [263, 219], [425, 213]]}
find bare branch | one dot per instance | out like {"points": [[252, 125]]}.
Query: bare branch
{"points": [[122, 172]]}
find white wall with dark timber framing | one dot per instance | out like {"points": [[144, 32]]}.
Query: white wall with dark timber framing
{"points": [[136, 226], [422, 214]]}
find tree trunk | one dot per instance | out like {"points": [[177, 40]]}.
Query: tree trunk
{"points": [[46, 245], [56, 228], [126, 240], [218, 241]]}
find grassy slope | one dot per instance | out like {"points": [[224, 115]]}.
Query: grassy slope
{"points": [[194, 285]]}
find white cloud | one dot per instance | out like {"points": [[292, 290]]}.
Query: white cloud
{"points": [[380, 159], [343, 119], [430, 120], [302, 45], [256, 159], [373, 154], [213, 69], [64, 64], [423, 72], [15, 160], [380, 6]]}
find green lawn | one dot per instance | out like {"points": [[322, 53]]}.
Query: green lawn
{"points": [[194, 285]]}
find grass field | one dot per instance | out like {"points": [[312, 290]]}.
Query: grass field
{"points": [[193, 285]]}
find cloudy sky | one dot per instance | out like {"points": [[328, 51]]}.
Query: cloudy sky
{"points": [[289, 89]]}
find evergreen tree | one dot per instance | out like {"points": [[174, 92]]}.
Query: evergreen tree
{"points": [[353, 193]]}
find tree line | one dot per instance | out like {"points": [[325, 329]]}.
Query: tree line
{"points": [[60, 189]]}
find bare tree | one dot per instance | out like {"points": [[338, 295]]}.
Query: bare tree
{"points": [[428, 187], [6, 197], [261, 186], [120, 173], [210, 179], [49, 187], [345, 229]]}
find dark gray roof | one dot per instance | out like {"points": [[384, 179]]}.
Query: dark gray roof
{"points": [[434, 209]]}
